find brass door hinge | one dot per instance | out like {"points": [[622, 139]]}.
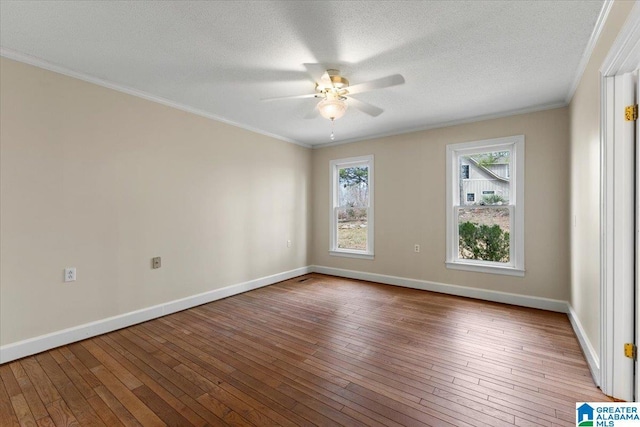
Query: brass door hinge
{"points": [[631, 113], [630, 350]]}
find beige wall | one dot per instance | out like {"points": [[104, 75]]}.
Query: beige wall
{"points": [[410, 204], [584, 116], [103, 181]]}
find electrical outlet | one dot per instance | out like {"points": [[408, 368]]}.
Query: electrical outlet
{"points": [[288, 243], [70, 274], [416, 248], [156, 262]]}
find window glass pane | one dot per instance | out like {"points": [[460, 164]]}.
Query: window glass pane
{"points": [[352, 228], [464, 171], [484, 176], [353, 186], [484, 233]]}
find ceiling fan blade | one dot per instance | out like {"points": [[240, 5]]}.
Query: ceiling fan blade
{"points": [[369, 109], [278, 98], [316, 71], [380, 83], [325, 81]]}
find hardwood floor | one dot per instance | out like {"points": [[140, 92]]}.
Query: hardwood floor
{"points": [[315, 350]]}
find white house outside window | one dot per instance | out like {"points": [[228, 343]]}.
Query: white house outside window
{"points": [[485, 206], [352, 207]]}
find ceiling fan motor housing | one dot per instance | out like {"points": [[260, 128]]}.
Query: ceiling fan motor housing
{"points": [[337, 83]]}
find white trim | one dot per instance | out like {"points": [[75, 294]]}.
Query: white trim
{"points": [[41, 343], [636, 386], [606, 236], [623, 57], [334, 165], [351, 254], [479, 268], [458, 290], [591, 44], [617, 248], [589, 352], [624, 238], [40, 63]]}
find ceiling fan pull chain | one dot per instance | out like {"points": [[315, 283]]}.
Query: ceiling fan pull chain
{"points": [[333, 137]]}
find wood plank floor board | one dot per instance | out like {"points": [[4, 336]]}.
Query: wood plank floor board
{"points": [[314, 350], [234, 393], [35, 403], [75, 401], [43, 385], [129, 400], [61, 415], [109, 362], [160, 388], [162, 409], [46, 422], [247, 406], [145, 373], [74, 376], [8, 416], [22, 411], [115, 406], [350, 407], [107, 416], [9, 380]]}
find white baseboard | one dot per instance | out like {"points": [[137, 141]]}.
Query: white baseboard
{"points": [[463, 291], [36, 345], [593, 360]]}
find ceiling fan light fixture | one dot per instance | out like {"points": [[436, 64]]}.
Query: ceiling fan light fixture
{"points": [[332, 109]]}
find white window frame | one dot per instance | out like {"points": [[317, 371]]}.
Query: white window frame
{"points": [[335, 166], [514, 144]]}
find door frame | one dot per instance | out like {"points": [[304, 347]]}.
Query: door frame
{"points": [[623, 57]]}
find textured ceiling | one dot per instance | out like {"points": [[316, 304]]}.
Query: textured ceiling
{"points": [[461, 60]]}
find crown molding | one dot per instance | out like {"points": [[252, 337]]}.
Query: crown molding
{"points": [[591, 44], [624, 55]]}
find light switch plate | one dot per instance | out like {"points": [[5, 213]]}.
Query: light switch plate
{"points": [[156, 262]]}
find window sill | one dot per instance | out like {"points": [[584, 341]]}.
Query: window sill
{"points": [[350, 254], [478, 268]]}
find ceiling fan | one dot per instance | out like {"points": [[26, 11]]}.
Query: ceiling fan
{"points": [[334, 93]]}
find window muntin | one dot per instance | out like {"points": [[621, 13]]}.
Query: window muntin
{"points": [[352, 207], [485, 219]]}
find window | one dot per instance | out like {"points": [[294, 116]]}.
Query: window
{"points": [[352, 207], [486, 233]]}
